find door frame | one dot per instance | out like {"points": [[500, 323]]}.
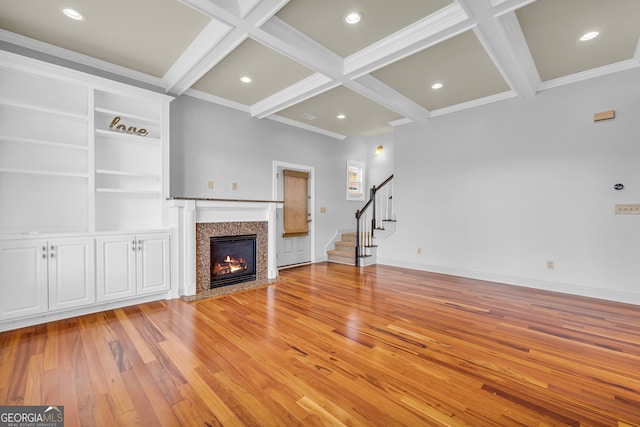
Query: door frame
{"points": [[312, 194]]}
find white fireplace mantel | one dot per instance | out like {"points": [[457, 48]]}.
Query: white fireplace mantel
{"points": [[184, 213]]}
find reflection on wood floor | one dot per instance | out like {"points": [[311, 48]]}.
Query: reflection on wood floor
{"points": [[336, 345]]}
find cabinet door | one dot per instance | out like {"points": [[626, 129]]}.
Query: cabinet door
{"points": [[71, 273], [153, 263], [116, 267], [23, 278]]}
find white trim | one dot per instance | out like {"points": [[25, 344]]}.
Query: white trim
{"points": [[568, 288], [441, 25], [217, 100], [304, 89], [590, 74], [312, 191], [78, 58], [305, 126], [66, 314], [210, 36], [474, 103]]}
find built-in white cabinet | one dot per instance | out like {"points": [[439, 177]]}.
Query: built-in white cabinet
{"points": [[38, 275], [71, 272], [80, 157], [131, 265]]}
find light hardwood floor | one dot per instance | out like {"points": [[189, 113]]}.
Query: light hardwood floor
{"points": [[336, 345]]}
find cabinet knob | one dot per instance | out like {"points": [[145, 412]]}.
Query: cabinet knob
{"points": [[52, 251], [133, 245]]}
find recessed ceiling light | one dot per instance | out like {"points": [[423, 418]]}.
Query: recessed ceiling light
{"points": [[437, 86], [245, 79], [73, 14], [353, 17], [589, 36], [341, 116]]}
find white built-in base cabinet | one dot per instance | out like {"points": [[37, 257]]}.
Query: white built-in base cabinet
{"points": [[84, 177], [40, 276], [131, 265]]}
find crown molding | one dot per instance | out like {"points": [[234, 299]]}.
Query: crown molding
{"points": [[474, 103], [69, 55], [590, 74], [194, 93], [304, 126]]}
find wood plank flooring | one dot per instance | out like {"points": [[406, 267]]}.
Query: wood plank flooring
{"points": [[335, 345]]}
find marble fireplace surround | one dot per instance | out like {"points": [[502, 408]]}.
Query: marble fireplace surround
{"points": [[194, 220]]}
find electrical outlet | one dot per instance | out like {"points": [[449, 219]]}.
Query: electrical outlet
{"points": [[628, 208], [209, 185], [234, 186], [551, 265], [323, 209], [419, 251]]}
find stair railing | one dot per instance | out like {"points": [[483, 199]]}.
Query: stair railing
{"points": [[368, 221]]}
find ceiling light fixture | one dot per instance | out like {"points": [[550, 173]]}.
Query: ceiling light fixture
{"points": [[437, 86], [341, 116], [73, 14], [245, 79], [589, 36], [353, 18]]}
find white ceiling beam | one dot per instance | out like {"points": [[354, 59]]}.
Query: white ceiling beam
{"points": [[298, 92], [504, 41], [184, 76], [201, 53], [372, 88], [290, 42], [433, 29], [226, 30]]}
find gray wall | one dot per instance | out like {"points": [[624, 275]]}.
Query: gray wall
{"points": [[494, 192], [215, 143]]}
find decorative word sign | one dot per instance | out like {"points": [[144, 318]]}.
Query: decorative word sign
{"points": [[131, 129]]}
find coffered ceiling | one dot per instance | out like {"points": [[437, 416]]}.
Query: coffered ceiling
{"points": [[309, 68]]}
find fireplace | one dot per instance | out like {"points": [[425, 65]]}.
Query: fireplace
{"points": [[233, 259]]}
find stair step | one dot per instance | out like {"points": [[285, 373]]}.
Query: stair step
{"points": [[349, 237], [341, 257], [345, 246], [341, 253]]}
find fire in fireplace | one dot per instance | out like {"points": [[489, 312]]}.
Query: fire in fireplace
{"points": [[233, 259]]}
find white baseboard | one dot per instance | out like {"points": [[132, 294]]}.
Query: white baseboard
{"points": [[567, 288], [79, 311]]}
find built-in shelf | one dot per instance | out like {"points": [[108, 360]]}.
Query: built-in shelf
{"points": [[136, 117], [123, 173], [62, 145], [128, 191], [45, 110], [127, 136], [44, 172]]}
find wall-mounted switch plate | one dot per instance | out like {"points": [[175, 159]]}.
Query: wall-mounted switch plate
{"points": [[633, 208], [209, 185], [234, 186]]}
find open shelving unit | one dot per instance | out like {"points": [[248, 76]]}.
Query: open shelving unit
{"points": [[65, 166]]}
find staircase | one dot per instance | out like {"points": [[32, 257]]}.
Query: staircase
{"points": [[358, 247], [345, 249]]}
